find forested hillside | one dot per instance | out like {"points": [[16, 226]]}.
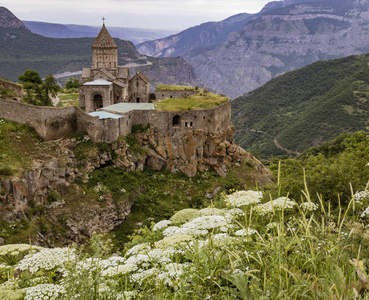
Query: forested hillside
{"points": [[20, 50], [305, 107]]}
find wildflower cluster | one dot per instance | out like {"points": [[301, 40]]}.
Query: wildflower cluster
{"points": [[46, 259], [242, 198], [274, 205], [44, 292]]}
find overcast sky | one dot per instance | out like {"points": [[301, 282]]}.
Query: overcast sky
{"points": [[165, 14]]}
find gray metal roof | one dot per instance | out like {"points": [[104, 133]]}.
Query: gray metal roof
{"points": [[99, 82], [126, 107], [104, 115]]}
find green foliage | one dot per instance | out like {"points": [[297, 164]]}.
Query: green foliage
{"points": [[30, 76], [72, 83], [6, 93], [199, 101], [52, 196], [6, 171], [37, 91], [165, 87], [140, 128], [329, 169], [305, 107], [12, 294]]}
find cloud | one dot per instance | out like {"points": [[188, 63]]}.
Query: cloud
{"points": [[132, 13]]}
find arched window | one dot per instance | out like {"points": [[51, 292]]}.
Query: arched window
{"points": [[176, 120], [98, 103]]}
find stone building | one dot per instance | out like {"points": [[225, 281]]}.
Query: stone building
{"points": [[105, 83]]}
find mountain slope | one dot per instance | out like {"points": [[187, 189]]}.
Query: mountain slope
{"points": [[204, 35], [20, 49], [135, 35], [282, 40], [304, 107]]}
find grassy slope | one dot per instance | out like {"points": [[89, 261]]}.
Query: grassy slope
{"points": [[305, 107], [192, 103]]}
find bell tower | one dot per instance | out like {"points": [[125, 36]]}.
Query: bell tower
{"points": [[104, 51]]}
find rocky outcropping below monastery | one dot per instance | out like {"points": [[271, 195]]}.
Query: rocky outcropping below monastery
{"points": [[190, 152], [49, 184]]}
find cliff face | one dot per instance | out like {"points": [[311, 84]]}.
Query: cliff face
{"points": [[243, 52], [51, 188], [169, 70], [281, 40], [189, 152], [38, 187]]}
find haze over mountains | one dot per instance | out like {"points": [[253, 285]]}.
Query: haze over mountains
{"points": [[243, 52], [134, 35], [20, 49]]}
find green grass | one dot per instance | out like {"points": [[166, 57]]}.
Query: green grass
{"points": [[195, 102], [19, 146], [68, 99], [164, 87]]}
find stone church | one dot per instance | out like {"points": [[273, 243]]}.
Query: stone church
{"points": [[106, 83]]}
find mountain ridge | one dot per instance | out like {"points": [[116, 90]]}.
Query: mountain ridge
{"points": [[20, 49], [284, 36], [55, 30]]}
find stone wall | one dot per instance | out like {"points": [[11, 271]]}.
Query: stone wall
{"points": [[161, 95], [172, 122], [50, 123], [18, 89], [54, 123]]}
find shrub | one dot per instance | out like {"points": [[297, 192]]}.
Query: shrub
{"points": [[6, 171]]}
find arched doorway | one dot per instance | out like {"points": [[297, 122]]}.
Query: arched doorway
{"points": [[176, 120], [98, 103]]}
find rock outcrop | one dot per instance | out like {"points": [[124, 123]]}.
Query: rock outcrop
{"points": [[189, 152], [51, 184]]}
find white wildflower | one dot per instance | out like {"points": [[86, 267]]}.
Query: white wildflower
{"points": [[44, 292], [242, 198], [309, 206], [359, 197], [245, 232], [139, 277], [185, 215], [46, 259], [175, 240], [207, 222], [274, 205], [162, 224]]}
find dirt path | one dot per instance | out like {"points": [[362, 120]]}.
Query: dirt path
{"points": [[276, 143]]}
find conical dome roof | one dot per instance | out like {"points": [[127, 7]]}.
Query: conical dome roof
{"points": [[104, 39]]}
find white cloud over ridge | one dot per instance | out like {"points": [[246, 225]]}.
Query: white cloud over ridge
{"points": [[167, 14]]}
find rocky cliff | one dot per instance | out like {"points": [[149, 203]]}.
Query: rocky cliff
{"points": [[51, 187], [44, 187], [282, 40], [283, 37], [189, 152]]}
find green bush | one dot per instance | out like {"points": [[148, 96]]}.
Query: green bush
{"points": [[6, 171]]}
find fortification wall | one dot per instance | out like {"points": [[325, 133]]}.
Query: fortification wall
{"points": [[161, 95], [54, 123], [49, 122], [172, 122], [18, 90]]}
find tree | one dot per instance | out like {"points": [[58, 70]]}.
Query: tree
{"points": [[30, 76], [72, 83], [38, 91]]}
